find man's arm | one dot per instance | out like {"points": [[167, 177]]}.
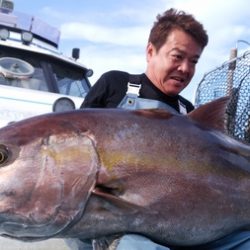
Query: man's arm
{"points": [[96, 95]]}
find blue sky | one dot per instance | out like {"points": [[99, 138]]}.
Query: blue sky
{"points": [[112, 34]]}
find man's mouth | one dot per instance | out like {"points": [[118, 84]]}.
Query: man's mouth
{"points": [[178, 79]]}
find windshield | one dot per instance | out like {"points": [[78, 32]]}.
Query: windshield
{"points": [[69, 81], [25, 69]]}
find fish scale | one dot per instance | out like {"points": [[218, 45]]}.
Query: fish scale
{"points": [[178, 180]]}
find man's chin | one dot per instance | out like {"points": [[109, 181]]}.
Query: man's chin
{"points": [[173, 92]]}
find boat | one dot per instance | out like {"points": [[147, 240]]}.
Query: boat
{"points": [[35, 76]]}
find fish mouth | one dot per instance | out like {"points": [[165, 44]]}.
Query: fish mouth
{"points": [[27, 229], [27, 239], [26, 232]]}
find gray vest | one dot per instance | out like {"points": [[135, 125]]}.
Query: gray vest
{"points": [[132, 100]]}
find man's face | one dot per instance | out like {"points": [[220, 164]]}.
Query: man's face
{"points": [[172, 67]]}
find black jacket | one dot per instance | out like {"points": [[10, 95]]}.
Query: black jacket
{"points": [[111, 87]]}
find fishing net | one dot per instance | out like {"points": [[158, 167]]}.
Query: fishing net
{"points": [[231, 78]]}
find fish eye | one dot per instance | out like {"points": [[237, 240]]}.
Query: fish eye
{"points": [[4, 154]]}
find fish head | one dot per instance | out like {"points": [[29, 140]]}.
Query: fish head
{"points": [[47, 173]]}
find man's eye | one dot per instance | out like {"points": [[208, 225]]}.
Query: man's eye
{"points": [[194, 61], [178, 56]]}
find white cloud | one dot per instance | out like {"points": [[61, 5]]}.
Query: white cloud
{"points": [[125, 36], [119, 40], [113, 34], [226, 22], [111, 58]]}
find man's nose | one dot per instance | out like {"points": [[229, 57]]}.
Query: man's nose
{"points": [[185, 67]]}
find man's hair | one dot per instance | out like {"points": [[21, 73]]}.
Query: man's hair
{"points": [[173, 19]]}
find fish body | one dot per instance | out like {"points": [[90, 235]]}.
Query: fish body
{"points": [[99, 173]]}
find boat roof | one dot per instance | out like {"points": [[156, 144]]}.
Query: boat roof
{"points": [[45, 37], [33, 24]]}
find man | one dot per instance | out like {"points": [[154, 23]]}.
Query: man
{"points": [[175, 44]]}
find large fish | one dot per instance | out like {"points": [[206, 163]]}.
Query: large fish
{"points": [[92, 174]]}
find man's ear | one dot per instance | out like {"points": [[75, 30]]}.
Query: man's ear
{"points": [[149, 51]]}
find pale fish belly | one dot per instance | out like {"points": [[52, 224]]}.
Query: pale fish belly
{"points": [[52, 244]]}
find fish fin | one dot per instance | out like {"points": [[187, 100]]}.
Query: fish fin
{"points": [[211, 114], [114, 200]]}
